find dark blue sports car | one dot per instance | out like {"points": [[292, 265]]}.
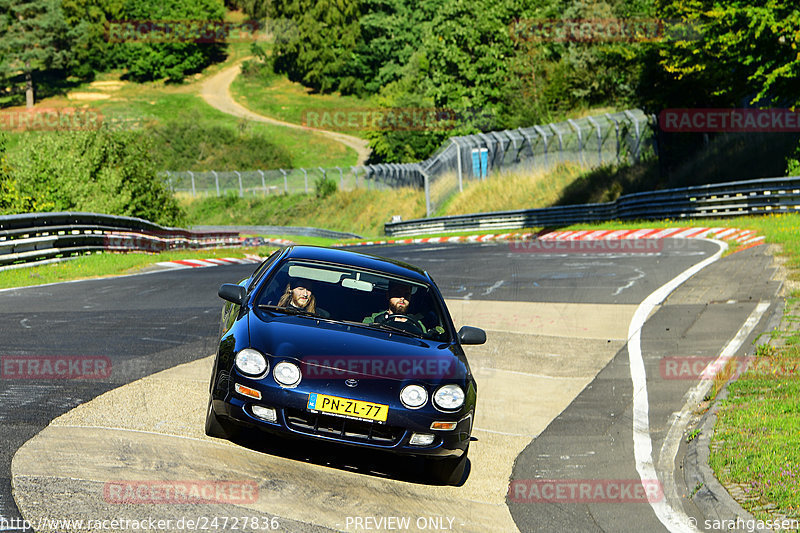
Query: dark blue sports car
{"points": [[348, 348]]}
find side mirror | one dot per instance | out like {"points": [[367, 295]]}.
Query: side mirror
{"points": [[471, 335], [232, 293]]}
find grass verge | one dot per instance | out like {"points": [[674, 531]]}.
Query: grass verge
{"points": [[112, 264], [512, 190], [359, 211]]}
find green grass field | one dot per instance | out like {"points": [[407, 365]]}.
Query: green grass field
{"points": [[135, 104], [291, 102]]}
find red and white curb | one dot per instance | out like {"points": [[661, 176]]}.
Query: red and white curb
{"points": [[746, 238], [200, 263]]}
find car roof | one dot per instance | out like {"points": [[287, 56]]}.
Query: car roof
{"points": [[356, 259]]}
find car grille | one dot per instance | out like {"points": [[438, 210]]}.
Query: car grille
{"points": [[343, 428]]}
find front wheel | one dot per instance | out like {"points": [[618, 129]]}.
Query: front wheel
{"points": [[216, 427], [448, 471]]}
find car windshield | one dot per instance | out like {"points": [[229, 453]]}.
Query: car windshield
{"points": [[341, 293]]}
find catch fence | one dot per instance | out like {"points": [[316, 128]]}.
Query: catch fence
{"points": [[589, 142]]}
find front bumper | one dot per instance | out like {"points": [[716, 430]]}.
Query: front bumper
{"points": [[295, 420]]}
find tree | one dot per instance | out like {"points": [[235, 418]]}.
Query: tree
{"points": [[90, 47], [316, 43], [35, 37], [174, 57], [745, 53]]}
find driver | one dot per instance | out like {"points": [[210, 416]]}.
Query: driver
{"points": [[399, 296]]}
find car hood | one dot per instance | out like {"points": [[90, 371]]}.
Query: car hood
{"points": [[341, 350]]}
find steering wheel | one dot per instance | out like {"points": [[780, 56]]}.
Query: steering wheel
{"points": [[410, 320]]}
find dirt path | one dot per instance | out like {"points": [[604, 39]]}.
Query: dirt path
{"points": [[216, 91]]}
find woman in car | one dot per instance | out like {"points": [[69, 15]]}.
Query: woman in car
{"points": [[299, 296]]}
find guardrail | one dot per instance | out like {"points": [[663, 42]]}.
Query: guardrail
{"points": [[47, 237], [753, 197]]}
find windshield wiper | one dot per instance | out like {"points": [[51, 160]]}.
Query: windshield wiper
{"points": [[288, 310]]}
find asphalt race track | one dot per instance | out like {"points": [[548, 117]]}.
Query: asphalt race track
{"points": [[560, 395]]}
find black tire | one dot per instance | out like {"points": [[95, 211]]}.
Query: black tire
{"points": [[448, 471], [216, 427]]}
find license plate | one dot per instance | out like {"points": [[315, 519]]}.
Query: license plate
{"points": [[348, 408]]}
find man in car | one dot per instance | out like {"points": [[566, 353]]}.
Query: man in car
{"points": [[399, 297]]}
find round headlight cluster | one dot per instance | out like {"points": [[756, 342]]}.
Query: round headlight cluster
{"points": [[449, 397], [251, 362], [414, 396], [287, 374]]}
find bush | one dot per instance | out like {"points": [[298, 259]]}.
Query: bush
{"points": [[99, 171], [11, 200], [262, 68], [325, 186]]}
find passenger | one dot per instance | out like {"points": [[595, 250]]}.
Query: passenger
{"points": [[298, 295]]}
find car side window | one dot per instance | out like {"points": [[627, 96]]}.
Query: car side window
{"points": [[262, 269]]}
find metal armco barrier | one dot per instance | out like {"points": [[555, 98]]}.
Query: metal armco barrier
{"points": [[37, 237], [754, 197]]}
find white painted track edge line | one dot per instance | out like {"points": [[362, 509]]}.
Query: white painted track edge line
{"points": [[673, 519], [669, 448]]}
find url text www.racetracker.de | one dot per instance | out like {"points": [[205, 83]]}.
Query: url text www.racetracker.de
{"points": [[199, 523]]}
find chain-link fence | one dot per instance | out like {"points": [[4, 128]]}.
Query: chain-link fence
{"points": [[266, 182], [588, 142]]}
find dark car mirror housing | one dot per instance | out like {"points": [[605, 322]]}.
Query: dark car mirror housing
{"points": [[471, 335], [230, 292]]}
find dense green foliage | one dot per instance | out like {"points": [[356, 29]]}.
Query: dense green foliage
{"points": [[171, 60], [98, 171], [491, 56], [746, 53], [11, 199], [82, 37], [462, 56], [25, 22]]}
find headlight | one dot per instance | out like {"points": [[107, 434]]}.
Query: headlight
{"points": [[449, 397], [287, 374], [414, 396], [251, 362]]}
